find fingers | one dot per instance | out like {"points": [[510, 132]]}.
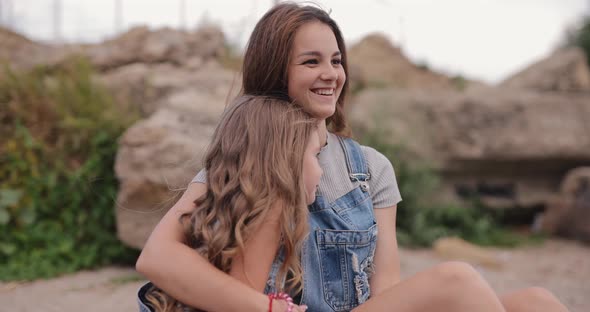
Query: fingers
{"points": [[281, 305]]}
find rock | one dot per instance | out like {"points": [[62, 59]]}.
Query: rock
{"points": [[131, 84], [503, 125], [139, 45], [566, 70], [509, 147], [454, 248], [376, 63], [22, 54], [145, 85], [210, 78], [165, 45], [158, 156], [176, 81], [568, 214]]}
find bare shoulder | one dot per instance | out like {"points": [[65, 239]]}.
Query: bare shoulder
{"points": [[186, 203]]}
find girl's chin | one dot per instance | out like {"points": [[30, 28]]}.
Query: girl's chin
{"points": [[321, 106], [323, 111], [310, 199]]}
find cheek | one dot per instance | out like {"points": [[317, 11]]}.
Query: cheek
{"points": [[290, 84], [310, 173], [299, 82], [315, 172], [294, 84], [342, 77], [319, 174]]}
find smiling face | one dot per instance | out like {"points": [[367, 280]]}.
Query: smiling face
{"points": [[315, 74], [312, 171]]}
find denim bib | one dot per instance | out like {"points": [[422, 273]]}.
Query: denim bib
{"points": [[337, 256]]}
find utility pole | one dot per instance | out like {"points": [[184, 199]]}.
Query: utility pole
{"points": [[6, 13], [57, 10], [118, 16], [182, 15], [9, 21]]}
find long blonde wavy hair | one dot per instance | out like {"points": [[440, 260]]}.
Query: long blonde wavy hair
{"points": [[255, 161]]}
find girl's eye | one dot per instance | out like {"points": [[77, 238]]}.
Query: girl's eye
{"points": [[311, 61], [337, 62]]}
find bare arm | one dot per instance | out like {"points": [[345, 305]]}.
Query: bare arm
{"points": [[387, 265], [253, 266], [184, 274]]}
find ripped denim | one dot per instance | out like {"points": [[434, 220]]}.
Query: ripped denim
{"points": [[338, 255]]}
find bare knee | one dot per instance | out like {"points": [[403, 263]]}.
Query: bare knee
{"points": [[456, 273], [533, 299], [539, 294], [458, 279], [462, 288]]}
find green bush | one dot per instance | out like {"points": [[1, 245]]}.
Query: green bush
{"points": [[420, 221], [58, 142], [580, 37]]}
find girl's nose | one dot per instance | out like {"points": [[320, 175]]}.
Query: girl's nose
{"points": [[329, 73]]}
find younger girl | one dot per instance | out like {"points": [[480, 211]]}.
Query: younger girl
{"points": [[262, 169]]}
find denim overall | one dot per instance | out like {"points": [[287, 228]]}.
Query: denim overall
{"points": [[337, 256], [143, 307]]}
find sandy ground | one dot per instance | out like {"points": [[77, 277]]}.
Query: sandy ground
{"points": [[560, 266]]}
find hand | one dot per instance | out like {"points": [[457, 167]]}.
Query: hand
{"points": [[281, 305]]}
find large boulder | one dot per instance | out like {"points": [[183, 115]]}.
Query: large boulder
{"points": [[146, 84], [511, 147], [141, 45], [177, 83], [158, 156], [22, 53], [568, 213], [375, 62], [566, 70]]}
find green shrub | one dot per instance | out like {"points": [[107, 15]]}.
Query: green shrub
{"points": [[58, 140], [420, 221], [459, 82], [580, 37]]}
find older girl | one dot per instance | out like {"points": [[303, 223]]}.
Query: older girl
{"points": [[297, 53]]}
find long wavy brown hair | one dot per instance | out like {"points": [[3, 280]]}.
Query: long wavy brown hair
{"points": [[268, 55], [255, 161]]}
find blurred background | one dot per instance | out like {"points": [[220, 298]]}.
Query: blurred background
{"points": [[453, 36], [106, 108]]}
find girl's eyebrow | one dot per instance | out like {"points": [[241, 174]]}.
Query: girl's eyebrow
{"points": [[316, 53]]}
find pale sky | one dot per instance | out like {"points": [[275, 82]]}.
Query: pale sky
{"points": [[480, 39]]}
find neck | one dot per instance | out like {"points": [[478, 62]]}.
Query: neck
{"points": [[322, 132]]}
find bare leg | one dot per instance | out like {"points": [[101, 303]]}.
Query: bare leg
{"points": [[451, 286], [532, 299]]}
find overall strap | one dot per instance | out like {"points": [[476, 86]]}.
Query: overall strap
{"points": [[355, 160]]}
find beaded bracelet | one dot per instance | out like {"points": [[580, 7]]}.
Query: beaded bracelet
{"points": [[280, 296]]}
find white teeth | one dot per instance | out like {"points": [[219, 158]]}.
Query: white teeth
{"points": [[324, 91]]}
